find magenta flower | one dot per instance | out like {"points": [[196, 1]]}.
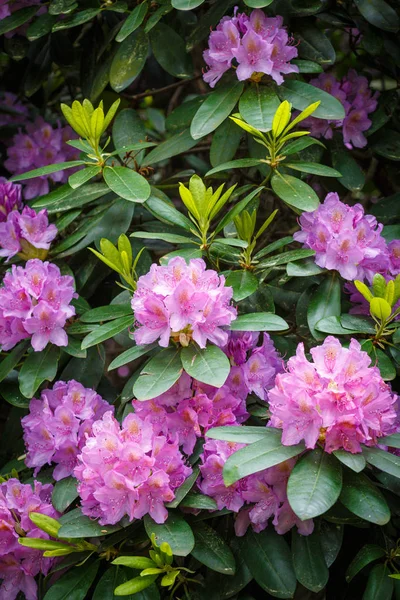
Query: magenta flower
{"points": [[254, 45], [35, 299], [183, 302], [20, 565], [344, 238], [10, 198], [128, 470], [27, 233], [40, 146], [337, 400]]}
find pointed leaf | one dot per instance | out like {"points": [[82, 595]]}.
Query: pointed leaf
{"points": [[209, 365], [160, 373], [215, 109]]}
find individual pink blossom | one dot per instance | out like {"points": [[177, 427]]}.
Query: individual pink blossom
{"points": [[358, 101], [128, 470], [253, 45], [337, 400], [35, 301], [258, 499], [344, 238], [26, 233], [183, 302], [10, 198], [12, 111], [56, 427], [20, 565], [40, 146]]}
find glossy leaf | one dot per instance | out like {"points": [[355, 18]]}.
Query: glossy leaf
{"points": [[240, 163], [170, 51], [209, 365], [243, 284], [134, 20], [12, 359], [379, 585], [186, 4], [364, 499], [309, 562], [64, 493], [17, 19], [47, 170], [258, 105], [38, 367], [76, 525], [295, 192], [130, 355], [74, 584], [107, 331], [385, 461], [243, 435], [215, 109], [160, 373], [324, 303], [301, 95], [129, 60], [368, 554], [211, 550], [259, 322], [175, 531], [379, 13], [355, 462], [127, 184], [171, 147]]}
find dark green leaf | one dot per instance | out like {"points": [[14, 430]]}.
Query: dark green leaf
{"points": [[171, 147], [74, 584], [175, 531], [367, 554], [225, 142], [307, 66], [129, 60], [18, 18], [352, 176], [261, 455], [285, 257], [259, 322], [385, 461], [386, 143], [47, 170], [301, 95], [89, 371], [380, 585], [243, 435], [313, 168], [215, 109], [309, 562], [184, 489], [211, 550], [170, 51], [106, 313], [199, 502], [40, 27], [258, 105], [11, 394], [12, 359], [258, 3], [130, 355], [55, 202], [128, 128], [324, 303], [75, 525], [364, 499], [78, 18], [107, 331], [80, 177], [393, 441], [295, 192], [355, 462], [64, 493], [314, 45], [160, 373], [243, 283], [38, 367], [209, 365], [333, 325], [303, 268], [134, 20], [186, 4], [241, 163], [331, 539], [127, 183], [172, 238], [356, 323], [379, 13]]}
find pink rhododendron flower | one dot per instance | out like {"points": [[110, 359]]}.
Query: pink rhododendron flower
{"points": [[344, 238], [254, 45], [27, 233], [40, 146], [14, 112], [128, 470], [57, 425], [184, 302], [258, 498], [19, 565], [337, 400], [10, 199], [354, 93], [35, 302]]}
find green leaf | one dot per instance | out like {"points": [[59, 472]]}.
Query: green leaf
{"points": [[393, 441], [258, 3], [240, 163], [38, 367], [301, 95], [134, 562], [368, 554], [89, 371], [129, 60], [130, 355], [47, 170], [237, 209], [313, 168], [166, 212], [78, 18], [303, 268], [170, 51], [261, 321], [66, 198], [198, 501], [225, 142], [385, 461], [74, 584], [106, 313], [324, 303], [128, 129], [11, 394], [80, 177], [301, 144], [352, 176], [257, 107], [314, 484], [17, 19], [135, 586], [364, 499], [64, 493], [358, 324], [261, 455], [379, 13], [243, 283], [115, 577], [181, 142], [127, 183], [333, 325], [175, 531], [184, 489], [269, 560], [295, 192], [40, 27], [159, 374], [107, 331], [211, 550], [172, 238], [243, 435], [331, 539], [215, 109], [379, 585], [285, 257], [209, 365], [309, 562], [314, 44], [12, 359], [355, 462], [186, 4], [76, 525], [134, 20], [307, 66]]}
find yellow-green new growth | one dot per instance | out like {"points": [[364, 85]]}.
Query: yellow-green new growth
{"points": [[381, 297], [120, 259]]}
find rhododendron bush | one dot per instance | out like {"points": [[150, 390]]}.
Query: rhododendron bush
{"points": [[199, 299]]}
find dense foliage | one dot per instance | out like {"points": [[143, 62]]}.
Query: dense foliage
{"points": [[199, 299]]}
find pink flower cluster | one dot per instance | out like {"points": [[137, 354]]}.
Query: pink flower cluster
{"points": [[344, 238], [12, 112], [354, 93], [183, 302], [20, 565], [10, 198], [26, 233], [57, 425], [337, 399], [128, 470], [253, 45], [257, 498], [40, 146], [35, 301]]}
